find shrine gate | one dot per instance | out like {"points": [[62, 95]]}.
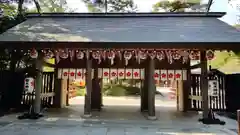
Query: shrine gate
{"points": [[144, 46]]}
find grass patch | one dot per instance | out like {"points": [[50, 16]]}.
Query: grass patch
{"points": [[80, 91], [120, 90]]}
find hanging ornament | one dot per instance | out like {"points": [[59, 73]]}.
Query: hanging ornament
{"points": [[79, 54], [209, 55], [111, 56], [63, 54], [71, 54], [119, 53], [176, 55], [152, 54], [185, 56], [33, 53], [127, 56], [141, 56], [97, 56], [103, 53], [197, 55], [136, 54], [57, 57], [48, 54], [169, 56], [160, 55]]}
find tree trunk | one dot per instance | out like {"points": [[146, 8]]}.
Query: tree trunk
{"points": [[20, 7], [37, 6]]}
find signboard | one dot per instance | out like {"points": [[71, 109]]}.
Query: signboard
{"points": [[29, 84], [213, 88]]}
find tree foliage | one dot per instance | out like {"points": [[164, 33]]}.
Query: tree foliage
{"points": [[172, 6], [111, 5]]}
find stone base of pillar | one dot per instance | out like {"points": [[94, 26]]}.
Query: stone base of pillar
{"points": [[151, 117], [87, 115]]}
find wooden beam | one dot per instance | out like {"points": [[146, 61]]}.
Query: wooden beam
{"points": [[196, 66]]}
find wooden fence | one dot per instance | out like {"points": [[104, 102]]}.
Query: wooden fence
{"points": [[216, 103], [47, 92]]}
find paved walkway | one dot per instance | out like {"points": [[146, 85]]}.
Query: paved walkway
{"points": [[114, 120], [78, 126]]}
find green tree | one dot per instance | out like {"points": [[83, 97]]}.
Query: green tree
{"points": [[55, 6], [111, 6], [173, 6]]}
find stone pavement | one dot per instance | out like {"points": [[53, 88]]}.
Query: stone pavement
{"points": [[9, 125], [115, 120]]}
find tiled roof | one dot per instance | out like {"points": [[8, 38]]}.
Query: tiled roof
{"points": [[121, 28]]}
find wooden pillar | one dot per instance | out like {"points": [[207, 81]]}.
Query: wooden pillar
{"points": [[63, 90], [57, 90], [96, 92], [151, 90], [180, 96], [68, 91], [144, 91], [187, 89], [39, 83], [204, 84], [87, 106]]}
